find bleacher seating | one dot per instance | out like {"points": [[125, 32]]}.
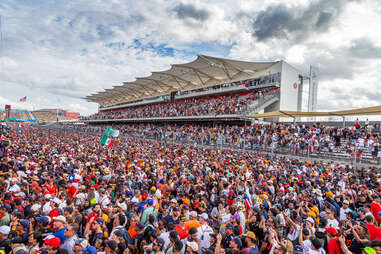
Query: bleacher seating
{"points": [[49, 117], [227, 104]]}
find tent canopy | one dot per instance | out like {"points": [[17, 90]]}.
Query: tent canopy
{"points": [[294, 114], [203, 72]]}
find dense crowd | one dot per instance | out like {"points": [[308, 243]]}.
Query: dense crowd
{"points": [[298, 139], [62, 192], [212, 105]]}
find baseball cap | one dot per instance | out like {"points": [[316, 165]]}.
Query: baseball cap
{"points": [[45, 220], [5, 230], [150, 201], [346, 202], [35, 207], [331, 231], [204, 216], [251, 235], [54, 242], [229, 226], [60, 218], [309, 219]]}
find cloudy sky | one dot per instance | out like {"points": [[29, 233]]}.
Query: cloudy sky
{"points": [[55, 52]]}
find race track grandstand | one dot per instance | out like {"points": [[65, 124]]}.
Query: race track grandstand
{"points": [[207, 89]]}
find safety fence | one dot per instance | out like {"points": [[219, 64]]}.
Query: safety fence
{"points": [[358, 155]]}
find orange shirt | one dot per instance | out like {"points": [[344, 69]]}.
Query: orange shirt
{"points": [[192, 224], [132, 231]]}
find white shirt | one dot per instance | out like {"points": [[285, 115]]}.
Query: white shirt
{"points": [[204, 232], [165, 237], [104, 201], [343, 213], [333, 223], [46, 208], [294, 233]]}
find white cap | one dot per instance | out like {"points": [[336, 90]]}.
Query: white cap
{"points": [[309, 219], [35, 207], [5, 230], [60, 218], [57, 201], [193, 214], [204, 216]]}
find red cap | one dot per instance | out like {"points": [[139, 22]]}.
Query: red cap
{"points": [[54, 242], [144, 196], [331, 231]]}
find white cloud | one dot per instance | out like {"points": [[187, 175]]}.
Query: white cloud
{"points": [[56, 52]]}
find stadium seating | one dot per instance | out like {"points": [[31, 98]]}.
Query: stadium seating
{"points": [[237, 103], [49, 117]]}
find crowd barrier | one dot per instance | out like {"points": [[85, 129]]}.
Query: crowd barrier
{"points": [[222, 143]]}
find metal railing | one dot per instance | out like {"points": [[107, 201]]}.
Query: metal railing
{"points": [[253, 107], [227, 142]]}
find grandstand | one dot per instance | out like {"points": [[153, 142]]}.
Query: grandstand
{"points": [[206, 89], [52, 115], [21, 114]]}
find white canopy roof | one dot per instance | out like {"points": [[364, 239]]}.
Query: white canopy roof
{"points": [[203, 72]]}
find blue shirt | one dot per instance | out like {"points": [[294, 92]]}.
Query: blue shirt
{"points": [[60, 234]]}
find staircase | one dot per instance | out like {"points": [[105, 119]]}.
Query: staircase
{"points": [[263, 103]]}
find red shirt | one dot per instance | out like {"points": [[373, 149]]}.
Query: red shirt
{"points": [[374, 232], [183, 232], [334, 247], [71, 191], [49, 189], [90, 217], [54, 213], [375, 208]]}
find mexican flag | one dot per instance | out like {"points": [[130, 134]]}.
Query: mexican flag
{"points": [[108, 136], [19, 126]]}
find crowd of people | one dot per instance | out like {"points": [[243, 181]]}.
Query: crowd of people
{"points": [[199, 106], [297, 139], [63, 192]]}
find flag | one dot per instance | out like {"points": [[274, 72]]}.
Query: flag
{"points": [[111, 132], [107, 137], [19, 126], [23, 99], [248, 202], [107, 141]]}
